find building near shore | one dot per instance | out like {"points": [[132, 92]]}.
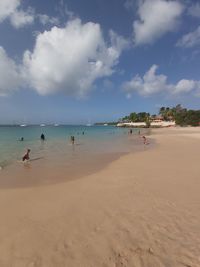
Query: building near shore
{"points": [[154, 123]]}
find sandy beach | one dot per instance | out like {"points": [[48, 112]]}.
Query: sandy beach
{"points": [[141, 210]]}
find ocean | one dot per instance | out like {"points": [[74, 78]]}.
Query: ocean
{"points": [[88, 140]]}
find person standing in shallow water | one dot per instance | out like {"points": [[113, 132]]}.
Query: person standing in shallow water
{"points": [[145, 142], [26, 156], [72, 139], [42, 137]]}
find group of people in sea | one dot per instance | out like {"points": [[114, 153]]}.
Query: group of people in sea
{"points": [[26, 156], [72, 138], [42, 137], [145, 142]]}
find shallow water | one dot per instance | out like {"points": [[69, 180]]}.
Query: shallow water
{"points": [[95, 139], [56, 159]]}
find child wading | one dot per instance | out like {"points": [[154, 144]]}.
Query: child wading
{"points": [[26, 156]]}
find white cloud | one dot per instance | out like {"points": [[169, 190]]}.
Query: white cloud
{"points": [[186, 86], [152, 83], [65, 11], [149, 84], [10, 9], [7, 8], [156, 17], [190, 39], [20, 18], [194, 10], [10, 77], [70, 59], [44, 19]]}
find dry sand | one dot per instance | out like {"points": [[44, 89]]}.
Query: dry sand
{"points": [[141, 210]]}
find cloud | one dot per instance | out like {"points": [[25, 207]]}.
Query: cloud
{"points": [[21, 18], [149, 84], [186, 86], [65, 11], [190, 40], [70, 59], [45, 19], [11, 78], [152, 83], [194, 10], [12, 10], [7, 8], [156, 17]]}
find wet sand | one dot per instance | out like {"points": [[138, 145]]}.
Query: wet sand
{"points": [[142, 209], [42, 172]]}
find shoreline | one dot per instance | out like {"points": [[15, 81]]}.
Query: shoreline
{"points": [[44, 171], [140, 210]]}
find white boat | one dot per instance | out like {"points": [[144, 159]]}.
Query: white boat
{"points": [[42, 125], [105, 124], [56, 125], [23, 123], [89, 123]]}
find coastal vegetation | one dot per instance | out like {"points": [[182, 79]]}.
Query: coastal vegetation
{"points": [[179, 114]]}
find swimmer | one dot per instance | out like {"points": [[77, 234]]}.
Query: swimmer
{"points": [[21, 139], [72, 139], [42, 137], [26, 156]]}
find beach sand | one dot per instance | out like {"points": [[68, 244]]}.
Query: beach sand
{"points": [[142, 209]]}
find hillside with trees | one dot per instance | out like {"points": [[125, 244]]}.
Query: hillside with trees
{"points": [[180, 115]]}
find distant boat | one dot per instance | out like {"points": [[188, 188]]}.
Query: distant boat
{"points": [[42, 125], [105, 124], [24, 123], [89, 123], [56, 125]]}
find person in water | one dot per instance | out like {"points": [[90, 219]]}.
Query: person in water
{"points": [[26, 156], [42, 137], [21, 139], [144, 140], [72, 139]]}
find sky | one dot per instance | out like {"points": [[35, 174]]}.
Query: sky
{"points": [[75, 61]]}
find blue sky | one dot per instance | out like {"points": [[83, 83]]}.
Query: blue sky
{"points": [[71, 61]]}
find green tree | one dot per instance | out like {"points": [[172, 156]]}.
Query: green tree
{"points": [[133, 117]]}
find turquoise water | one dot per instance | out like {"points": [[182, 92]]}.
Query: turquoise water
{"points": [[96, 139]]}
